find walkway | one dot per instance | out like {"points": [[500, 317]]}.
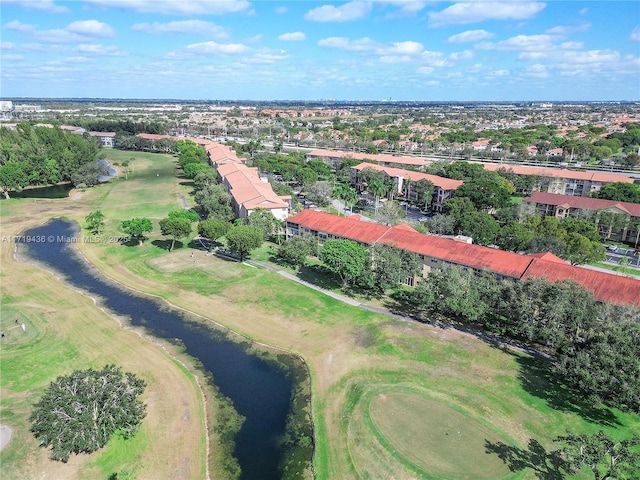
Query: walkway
{"points": [[384, 311]]}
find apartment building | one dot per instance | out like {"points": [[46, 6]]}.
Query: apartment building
{"points": [[335, 158], [434, 252], [562, 206], [444, 188]]}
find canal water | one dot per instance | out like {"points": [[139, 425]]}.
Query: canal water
{"points": [[259, 392]]}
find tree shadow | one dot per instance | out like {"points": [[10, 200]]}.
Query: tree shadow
{"points": [[319, 276], [546, 465], [538, 378], [166, 244]]}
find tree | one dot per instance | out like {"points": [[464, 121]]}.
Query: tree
{"points": [[391, 266], [95, 222], [176, 228], [345, 258], [306, 176], [190, 215], [458, 207], [241, 239], [606, 365], [605, 457], [378, 189], [205, 178], [192, 169], [264, 220], [319, 193], [294, 251], [619, 191], [440, 224], [345, 193], [485, 193], [481, 226], [13, 177], [89, 174], [514, 237], [212, 229], [79, 413], [391, 213], [137, 227], [424, 190], [215, 201], [579, 249]]}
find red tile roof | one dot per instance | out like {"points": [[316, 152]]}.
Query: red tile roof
{"points": [[380, 158], [561, 173], [569, 201], [442, 182], [605, 287]]}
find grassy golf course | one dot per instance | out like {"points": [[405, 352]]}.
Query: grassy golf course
{"points": [[390, 398]]}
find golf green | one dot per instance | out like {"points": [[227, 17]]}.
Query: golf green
{"points": [[435, 437]]}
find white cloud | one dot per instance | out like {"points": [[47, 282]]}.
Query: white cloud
{"points": [[635, 34], [266, 57], [568, 29], [184, 26], [102, 50], [409, 48], [470, 36], [281, 10], [434, 59], [521, 42], [42, 5], [425, 70], [19, 27], [475, 12], [343, 13], [179, 7], [407, 7], [464, 55], [6, 57], [217, 48], [343, 43], [536, 71], [90, 28], [292, 37]]}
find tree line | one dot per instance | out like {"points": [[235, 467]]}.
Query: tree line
{"points": [[39, 155]]}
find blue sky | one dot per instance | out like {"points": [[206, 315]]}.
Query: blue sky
{"points": [[311, 50]]}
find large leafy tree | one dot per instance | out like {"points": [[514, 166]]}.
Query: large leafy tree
{"points": [[137, 227], [176, 228], [391, 265], [345, 258], [212, 229], [264, 220], [295, 250], [424, 189], [620, 191], [241, 239], [479, 225], [79, 413], [486, 192], [215, 201], [606, 366], [605, 457]]}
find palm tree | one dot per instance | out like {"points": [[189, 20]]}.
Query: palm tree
{"points": [[377, 189]]}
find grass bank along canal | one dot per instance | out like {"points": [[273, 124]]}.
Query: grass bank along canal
{"points": [[269, 390]]}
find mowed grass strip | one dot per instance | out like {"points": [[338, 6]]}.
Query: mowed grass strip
{"points": [[411, 424]]}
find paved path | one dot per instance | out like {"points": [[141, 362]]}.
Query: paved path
{"points": [[384, 311], [184, 203], [5, 435]]}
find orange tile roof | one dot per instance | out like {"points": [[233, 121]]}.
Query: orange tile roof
{"points": [[560, 173], [380, 158], [606, 287], [442, 182], [588, 203]]}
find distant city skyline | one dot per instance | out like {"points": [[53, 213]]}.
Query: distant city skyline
{"points": [[312, 50]]}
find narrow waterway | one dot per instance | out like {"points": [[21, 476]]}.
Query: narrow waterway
{"points": [[259, 392]]}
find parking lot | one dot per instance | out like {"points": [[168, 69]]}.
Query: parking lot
{"points": [[616, 254]]}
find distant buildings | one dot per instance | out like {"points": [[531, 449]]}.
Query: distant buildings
{"points": [[563, 206]]}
